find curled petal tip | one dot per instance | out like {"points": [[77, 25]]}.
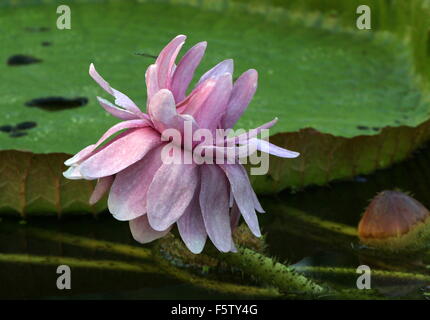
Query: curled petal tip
{"points": [[195, 251], [230, 64], [92, 70], [203, 45], [72, 173], [142, 231], [253, 72], [98, 78], [225, 66], [163, 94], [288, 154], [101, 100], [254, 76], [164, 91], [69, 161]]}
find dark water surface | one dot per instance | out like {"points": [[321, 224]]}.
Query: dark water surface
{"points": [[287, 240]]}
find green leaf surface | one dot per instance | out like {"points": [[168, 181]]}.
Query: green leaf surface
{"points": [[350, 101]]}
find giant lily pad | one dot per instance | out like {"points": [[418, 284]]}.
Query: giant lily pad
{"points": [[350, 101]]}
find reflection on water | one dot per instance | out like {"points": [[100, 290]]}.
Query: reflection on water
{"points": [[26, 280]]}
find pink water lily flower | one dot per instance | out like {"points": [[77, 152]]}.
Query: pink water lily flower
{"points": [[203, 199]]}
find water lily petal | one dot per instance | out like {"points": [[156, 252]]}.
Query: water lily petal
{"points": [[115, 111], [120, 98], [214, 200], [121, 153], [170, 193], [242, 93], [128, 195], [73, 173], [185, 71], [142, 231], [229, 155], [151, 78], [197, 98], [89, 150], [251, 133], [225, 66], [98, 78], [162, 110], [210, 114], [166, 61], [268, 147], [191, 226], [103, 185], [242, 191]]}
